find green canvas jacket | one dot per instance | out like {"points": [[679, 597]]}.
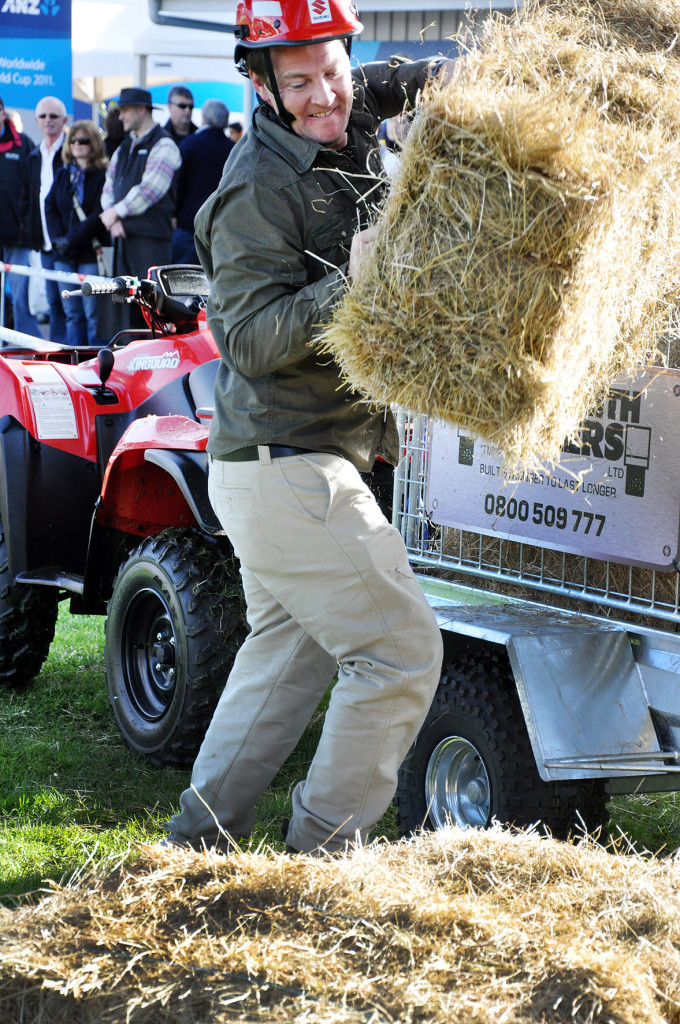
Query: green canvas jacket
{"points": [[274, 239]]}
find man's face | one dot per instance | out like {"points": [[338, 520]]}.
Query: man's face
{"points": [[181, 108], [51, 117], [316, 89], [132, 118]]}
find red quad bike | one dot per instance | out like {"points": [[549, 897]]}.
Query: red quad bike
{"points": [[103, 500]]}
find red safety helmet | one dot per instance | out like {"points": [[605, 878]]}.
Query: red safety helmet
{"points": [[263, 23]]}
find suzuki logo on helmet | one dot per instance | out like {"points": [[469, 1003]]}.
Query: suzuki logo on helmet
{"points": [[319, 10]]}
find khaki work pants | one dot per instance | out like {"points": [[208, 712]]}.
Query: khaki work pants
{"points": [[328, 587]]}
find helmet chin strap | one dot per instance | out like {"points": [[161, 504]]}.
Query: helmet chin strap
{"points": [[284, 115]]}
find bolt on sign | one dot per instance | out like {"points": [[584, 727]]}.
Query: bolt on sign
{"points": [[614, 493]]}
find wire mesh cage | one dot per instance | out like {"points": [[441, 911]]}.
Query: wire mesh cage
{"points": [[618, 591]]}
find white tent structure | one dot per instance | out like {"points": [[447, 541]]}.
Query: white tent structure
{"points": [[115, 44]]}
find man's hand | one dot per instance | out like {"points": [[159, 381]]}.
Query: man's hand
{"points": [[362, 247], [445, 73], [109, 218], [117, 229]]}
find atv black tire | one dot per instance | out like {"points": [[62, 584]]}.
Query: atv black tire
{"points": [[28, 616], [175, 621], [472, 762]]}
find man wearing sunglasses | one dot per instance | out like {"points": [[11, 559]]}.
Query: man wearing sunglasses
{"points": [[42, 164], [181, 106]]}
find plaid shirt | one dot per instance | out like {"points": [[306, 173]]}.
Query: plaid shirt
{"points": [[164, 160]]}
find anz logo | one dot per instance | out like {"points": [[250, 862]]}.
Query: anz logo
{"points": [[36, 7]]}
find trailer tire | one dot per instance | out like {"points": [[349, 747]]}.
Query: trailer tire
{"points": [[28, 616], [175, 620], [472, 762]]}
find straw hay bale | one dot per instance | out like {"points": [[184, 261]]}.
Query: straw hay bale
{"points": [[530, 246], [470, 926]]}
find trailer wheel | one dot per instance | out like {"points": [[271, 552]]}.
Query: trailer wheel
{"points": [[472, 762], [175, 621], [28, 616]]}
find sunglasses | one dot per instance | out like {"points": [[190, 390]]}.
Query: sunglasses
{"points": [[52, 117], [183, 106], [81, 142]]}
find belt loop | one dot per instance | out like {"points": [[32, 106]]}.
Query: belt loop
{"points": [[264, 454]]}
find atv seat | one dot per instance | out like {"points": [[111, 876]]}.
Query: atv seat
{"points": [[202, 388]]}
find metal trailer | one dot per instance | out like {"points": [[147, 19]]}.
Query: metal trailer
{"points": [[557, 591]]}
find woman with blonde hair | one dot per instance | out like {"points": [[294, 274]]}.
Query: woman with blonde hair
{"points": [[72, 209]]}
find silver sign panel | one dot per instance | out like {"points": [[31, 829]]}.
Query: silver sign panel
{"points": [[614, 494]]}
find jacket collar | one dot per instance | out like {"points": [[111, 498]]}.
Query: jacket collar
{"points": [[14, 140]]}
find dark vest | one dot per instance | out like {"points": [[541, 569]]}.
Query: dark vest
{"points": [[156, 222]]}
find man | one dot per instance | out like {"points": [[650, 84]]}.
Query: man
{"points": [[137, 200], [43, 162], [235, 131], [326, 578], [14, 150], [180, 106], [204, 155]]}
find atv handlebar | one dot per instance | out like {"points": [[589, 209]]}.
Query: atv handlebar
{"points": [[116, 286], [172, 296]]}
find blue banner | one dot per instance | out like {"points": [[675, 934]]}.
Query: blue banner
{"points": [[35, 51]]}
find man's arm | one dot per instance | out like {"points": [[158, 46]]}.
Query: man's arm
{"points": [[107, 191], [263, 308], [393, 85], [109, 217]]}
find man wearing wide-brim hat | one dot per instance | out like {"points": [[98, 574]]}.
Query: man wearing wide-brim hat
{"points": [[137, 200]]}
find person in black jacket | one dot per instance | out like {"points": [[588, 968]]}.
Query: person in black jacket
{"points": [[72, 210], [114, 133], [14, 150], [180, 106], [203, 158]]}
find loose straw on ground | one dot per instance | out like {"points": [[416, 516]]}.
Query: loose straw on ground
{"points": [[469, 926]]}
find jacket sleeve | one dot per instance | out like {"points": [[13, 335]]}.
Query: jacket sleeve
{"points": [[264, 308], [57, 221], [392, 85]]}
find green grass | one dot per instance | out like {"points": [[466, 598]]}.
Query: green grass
{"points": [[73, 794], [71, 791]]}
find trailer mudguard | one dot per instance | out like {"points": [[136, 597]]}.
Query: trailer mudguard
{"points": [[582, 694]]}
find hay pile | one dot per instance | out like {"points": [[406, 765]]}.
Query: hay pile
{"points": [[466, 926], [530, 246]]}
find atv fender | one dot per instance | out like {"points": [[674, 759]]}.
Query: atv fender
{"points": [[189, 470], [157, 477]]}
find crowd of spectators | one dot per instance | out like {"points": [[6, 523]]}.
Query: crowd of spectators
{"points": [[127, 194]]}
